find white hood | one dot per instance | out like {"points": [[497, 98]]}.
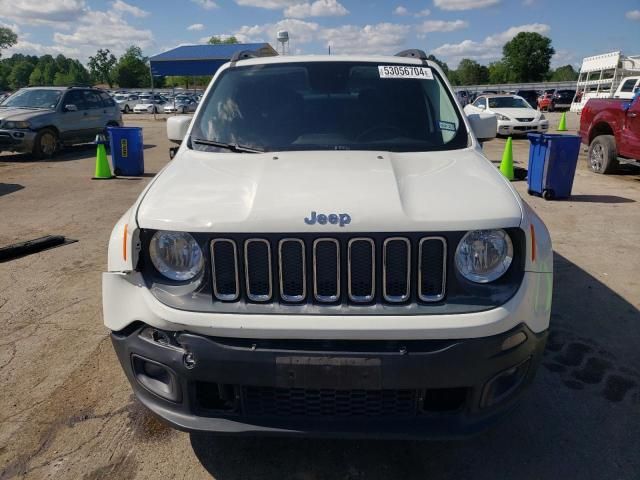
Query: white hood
{"points": [[380, 191], [516, 112]]}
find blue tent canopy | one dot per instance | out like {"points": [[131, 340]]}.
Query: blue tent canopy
{"points": [[191, 60]]}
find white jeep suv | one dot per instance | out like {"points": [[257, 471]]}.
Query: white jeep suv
{"points": [[329, 253]]}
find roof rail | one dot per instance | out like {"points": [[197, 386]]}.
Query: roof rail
{"points": [[412, 53], [245, 54]]}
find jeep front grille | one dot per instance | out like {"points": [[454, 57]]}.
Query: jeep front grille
{"points": [[327, 270]]}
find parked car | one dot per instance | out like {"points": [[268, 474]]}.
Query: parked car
{"points": [[126, 102], [150, 104], [40, 120], [515, 115], [180, 104], [628, 88], [531, 96], [329, 254], [463, 97], [611, 129], [552, 100]]}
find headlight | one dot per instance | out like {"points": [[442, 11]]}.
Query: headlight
{"points": [[483, 256], [16, 125], [176, 255], [504, 118]]}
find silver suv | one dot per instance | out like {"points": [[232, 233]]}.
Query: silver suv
{"points": [[40, 120]]}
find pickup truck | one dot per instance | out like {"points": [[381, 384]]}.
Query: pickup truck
{"points": [[329, 253], [611, 129]]}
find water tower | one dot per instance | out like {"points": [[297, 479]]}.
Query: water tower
{"points": [[283, 40]]}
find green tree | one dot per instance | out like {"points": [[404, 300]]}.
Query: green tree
{"points": [[131, 70], [441, 64], [470, 72], [37, 77], [216, 40], [499, 73], [8, 38], [528, 56], [564, 74], [20, 73], [101, 66]]}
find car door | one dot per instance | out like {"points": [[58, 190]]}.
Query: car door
{"points": [[96, 118], [73, 121], [630, 134]]}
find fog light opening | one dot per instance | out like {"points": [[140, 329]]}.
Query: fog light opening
{"points": [[514, 340], [504, 384], [156, 377]]}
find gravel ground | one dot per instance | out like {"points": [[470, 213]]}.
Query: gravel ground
{"points": [[66, 409]]}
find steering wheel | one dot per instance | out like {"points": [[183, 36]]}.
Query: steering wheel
{"points": [[378, 128]]}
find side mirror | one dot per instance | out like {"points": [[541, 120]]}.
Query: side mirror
{"points": [[177, 127], [484, 125], [482, 106], [70, 108]]}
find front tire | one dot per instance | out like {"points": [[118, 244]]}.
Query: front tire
{"points": [[45, 145], [127, 109], [603, 157]]}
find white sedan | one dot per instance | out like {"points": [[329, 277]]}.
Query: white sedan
{"points": [[515, 116], [149, 104]]}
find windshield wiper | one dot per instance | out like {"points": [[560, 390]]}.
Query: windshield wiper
{"points": [[234, 147]]}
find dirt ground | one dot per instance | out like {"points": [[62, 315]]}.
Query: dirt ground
{"points": [[66, 409]]}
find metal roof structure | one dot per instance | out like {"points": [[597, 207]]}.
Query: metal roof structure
{"points": [[192, 60]]}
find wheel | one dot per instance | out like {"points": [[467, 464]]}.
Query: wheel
{"points": [[548, 195], [45, 144], [127, 109], [155, 109], [531, 192], [551, 108], [602, 156], [184, 110]]}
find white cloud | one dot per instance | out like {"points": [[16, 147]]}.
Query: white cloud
{"points": [[206, 4], [633, 15], [25, 47], [490, 47], [299, 31], [115, 34], [441, 26], [381, 38], [464, 4], [61, 13], [196, 27], [123, 7], [423, 13], [319, 8], [400, 11], [268, 4], [564, 57]]}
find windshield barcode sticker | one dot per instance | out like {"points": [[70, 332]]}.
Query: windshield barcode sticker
{"points": [[404, 71]]}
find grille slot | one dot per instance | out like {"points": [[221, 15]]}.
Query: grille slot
{"points": [[258, 276], [361, 267], [328, 403], [292, 270], [432, 271], [224, 265], [326, 270], [396, 269]]}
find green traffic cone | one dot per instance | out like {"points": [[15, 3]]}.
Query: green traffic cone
{"points": [[562, 126], [506, 165], [103, 171]]}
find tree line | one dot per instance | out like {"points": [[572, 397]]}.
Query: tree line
{"points": [[526, 58]]}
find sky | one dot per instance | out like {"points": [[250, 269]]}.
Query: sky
{"points": [[450, 29]]}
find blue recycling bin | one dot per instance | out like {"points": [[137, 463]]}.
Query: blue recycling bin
{"points": [[127, 151], [552, 164]]}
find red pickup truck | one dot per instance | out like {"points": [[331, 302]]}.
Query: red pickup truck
{"points": [[611, 129]]}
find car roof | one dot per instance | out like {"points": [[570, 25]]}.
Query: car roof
{"points": [[332, 58]]}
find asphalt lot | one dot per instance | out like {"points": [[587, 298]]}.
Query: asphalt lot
{"points": [[66, 409]]}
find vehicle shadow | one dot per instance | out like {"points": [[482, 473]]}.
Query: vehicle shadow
{"points": [[577, 420], [7, 188], [599, 199], [582, 401]]}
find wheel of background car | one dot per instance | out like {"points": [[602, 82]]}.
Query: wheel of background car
{"points": [[126, 109], [378, 128], [548, 194], [45, 144], [602, 154], [184, 110]]}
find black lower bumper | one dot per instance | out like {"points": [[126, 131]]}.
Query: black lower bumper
{"points": [[420, 389]]}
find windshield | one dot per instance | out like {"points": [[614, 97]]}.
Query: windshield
{"points": [[330, 106], [508, 102], [33, 98], [120, 97]]}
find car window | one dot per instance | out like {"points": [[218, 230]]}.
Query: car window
{"points": [[77, 98], [508, 102], [107, 101], [628, 85], [33, 98], [480, 102], [330, 106], [91, 99]]}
